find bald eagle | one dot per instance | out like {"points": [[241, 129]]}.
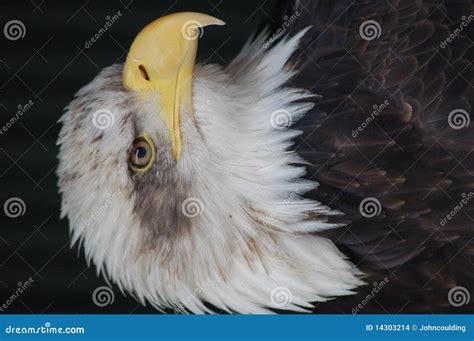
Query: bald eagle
{"points": [[330, 154]]}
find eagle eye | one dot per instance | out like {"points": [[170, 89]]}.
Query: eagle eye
{"points": [[142, 154]]}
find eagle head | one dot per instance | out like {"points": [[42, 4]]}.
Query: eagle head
{"points": [[179, 182]]}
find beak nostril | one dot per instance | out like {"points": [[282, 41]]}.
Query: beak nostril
{"points": [[143, 72]]}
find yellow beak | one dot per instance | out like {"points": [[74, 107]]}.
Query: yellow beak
{"points": [[161, 60]]}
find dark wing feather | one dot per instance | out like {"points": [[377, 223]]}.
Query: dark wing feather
{"points": [[408, 157]]}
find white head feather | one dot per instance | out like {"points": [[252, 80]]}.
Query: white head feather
{"points": [[248, 247]]}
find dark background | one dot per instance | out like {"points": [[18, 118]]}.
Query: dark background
{"points": [[48, 66]]}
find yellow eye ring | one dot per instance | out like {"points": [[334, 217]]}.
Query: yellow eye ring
{"points": [[142, 154]]}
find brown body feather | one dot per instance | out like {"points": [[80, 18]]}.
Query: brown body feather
{"points": [[408, 156]]}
